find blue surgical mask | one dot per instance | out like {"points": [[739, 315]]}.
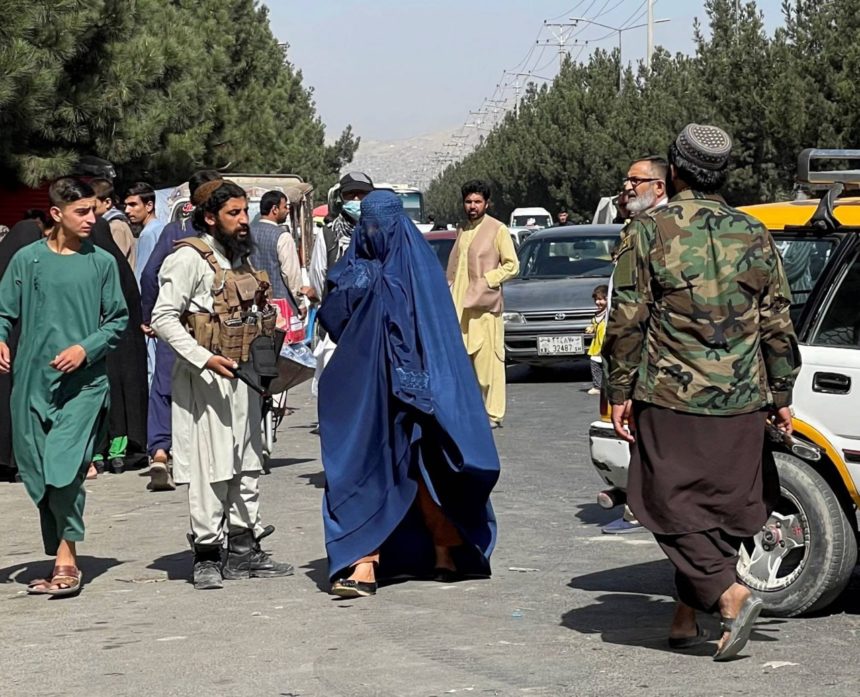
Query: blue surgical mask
{"points": [[352, 209]]}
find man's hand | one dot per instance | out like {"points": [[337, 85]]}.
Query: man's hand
{"points": [[782, 420], [70, 360], [148, 331], [5, 357], [620, 414], [222, 366], [589, 329], [310, 293]]}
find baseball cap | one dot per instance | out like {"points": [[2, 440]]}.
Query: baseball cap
{"points": [[356, 181]]}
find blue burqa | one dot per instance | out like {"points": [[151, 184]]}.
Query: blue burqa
{"points": [[399, 401]]}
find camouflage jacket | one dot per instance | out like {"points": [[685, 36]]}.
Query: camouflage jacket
{"points": [[699, 313]]}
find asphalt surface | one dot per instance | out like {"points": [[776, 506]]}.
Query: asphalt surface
{"points": [[568, 611]]}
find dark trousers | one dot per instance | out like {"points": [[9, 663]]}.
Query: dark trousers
{"points": [[159, 433], [705, 565]]}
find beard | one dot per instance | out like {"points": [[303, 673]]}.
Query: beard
{"points": [[235, 247], [640, 204]]}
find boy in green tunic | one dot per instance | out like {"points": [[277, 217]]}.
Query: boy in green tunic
{"points": [[65, 293]]}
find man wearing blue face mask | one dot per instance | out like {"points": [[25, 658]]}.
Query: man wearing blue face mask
{"points": [[333, 240]]}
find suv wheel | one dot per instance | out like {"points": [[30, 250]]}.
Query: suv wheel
{"points": [[803, 557]]}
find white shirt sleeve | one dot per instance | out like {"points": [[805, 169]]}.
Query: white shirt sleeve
{"points": [[319, 264], [288, 258]]}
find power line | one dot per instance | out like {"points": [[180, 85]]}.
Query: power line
{"points": [[506, 94], [564, 14]]}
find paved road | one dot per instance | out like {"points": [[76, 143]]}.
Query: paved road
{"points": [[568, 612]]}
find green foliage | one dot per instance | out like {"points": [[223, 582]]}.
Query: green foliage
{"points": [[572, 142], [159, 88]]}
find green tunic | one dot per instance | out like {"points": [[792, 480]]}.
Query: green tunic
{"points": [[60, 301]]}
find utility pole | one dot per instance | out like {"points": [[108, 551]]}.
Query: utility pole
{"points": [[650, 47], [620, 31], [561, 32], [517, 88]]}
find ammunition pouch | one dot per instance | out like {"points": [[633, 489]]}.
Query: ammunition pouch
{"points": [[233, 327]]}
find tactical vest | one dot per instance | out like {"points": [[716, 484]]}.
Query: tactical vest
{"points": [[240, 308]]}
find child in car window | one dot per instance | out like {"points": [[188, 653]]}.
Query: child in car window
{"points": [[597, 329]]}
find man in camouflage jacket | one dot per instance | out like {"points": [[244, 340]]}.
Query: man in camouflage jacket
{"points": [[699, 345]]}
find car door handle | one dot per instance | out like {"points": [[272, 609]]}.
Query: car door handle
{"points": [[831, 383]]}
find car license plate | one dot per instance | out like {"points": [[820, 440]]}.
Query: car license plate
{"points": [[559, 345]]}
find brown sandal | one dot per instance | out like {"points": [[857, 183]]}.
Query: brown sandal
{"points": [[34, 589], [68, 576]]}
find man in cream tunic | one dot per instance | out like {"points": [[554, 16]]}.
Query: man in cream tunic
{"points": [[217, 444], [482, 259]]}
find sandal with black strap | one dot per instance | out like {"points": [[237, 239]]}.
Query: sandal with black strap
{"points": [[350, 588], [739, 628], [702, 636]]}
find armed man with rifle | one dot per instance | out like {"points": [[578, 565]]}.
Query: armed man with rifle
{"points": [[211, 306]]}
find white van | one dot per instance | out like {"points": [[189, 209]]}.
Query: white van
{"points": [[531, 217]]}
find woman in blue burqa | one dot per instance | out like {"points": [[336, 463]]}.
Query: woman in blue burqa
{"points": [[408, 454]]}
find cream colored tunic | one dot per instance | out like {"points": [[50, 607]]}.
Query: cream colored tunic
{"points": [[480, 327], [216, 421], [483, 331]]}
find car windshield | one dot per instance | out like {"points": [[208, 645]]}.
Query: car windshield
{"points": [[531, 220], [413, 205], [560, 257], [443, 250]]}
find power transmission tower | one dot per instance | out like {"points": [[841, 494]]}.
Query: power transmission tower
{"points": [[561, 31]]}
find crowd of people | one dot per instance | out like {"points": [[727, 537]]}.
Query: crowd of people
{"points": [[108, 317]]}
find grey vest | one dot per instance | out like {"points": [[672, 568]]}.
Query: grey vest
{"points": [[265, 255]]}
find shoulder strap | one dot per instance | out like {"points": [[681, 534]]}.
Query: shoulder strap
{"points": [[203, 249]]}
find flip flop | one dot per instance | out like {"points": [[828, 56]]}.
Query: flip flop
{"points": [[739, 628], [69, 576], [701, 636]]}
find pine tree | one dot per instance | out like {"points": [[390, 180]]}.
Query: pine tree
{"points": [[159, 88]]}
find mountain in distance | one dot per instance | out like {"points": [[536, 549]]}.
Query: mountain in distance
{"points": [[410, 161]]}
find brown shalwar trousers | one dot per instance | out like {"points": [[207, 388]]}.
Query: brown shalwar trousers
{"points": [[441, 529], [701, 484], [705, 565]]}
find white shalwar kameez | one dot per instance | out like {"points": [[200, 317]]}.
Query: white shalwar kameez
{"points": [[217, 439]]}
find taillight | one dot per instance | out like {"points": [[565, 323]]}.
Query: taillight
{"points": [[605, 409]]}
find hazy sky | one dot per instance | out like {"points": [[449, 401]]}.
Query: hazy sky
{"points": [[401, 68]]}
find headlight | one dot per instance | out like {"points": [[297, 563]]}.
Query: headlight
{"points": [[513, 318]]}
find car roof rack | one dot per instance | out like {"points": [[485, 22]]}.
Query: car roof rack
{"points": [[832, 181]]}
